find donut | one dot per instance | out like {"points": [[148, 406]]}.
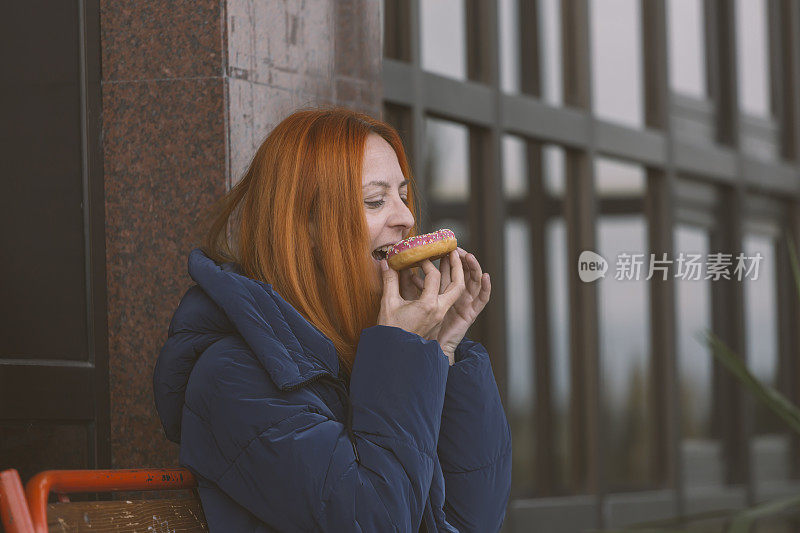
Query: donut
{"points": [[410, 251]]}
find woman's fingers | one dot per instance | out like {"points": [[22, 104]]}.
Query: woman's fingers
{"points": [[475, 275], [390, 282], [418, 283], [456, 267], [408, 289], [431, 285], [484, 294], [444, 270], [456, 286]]}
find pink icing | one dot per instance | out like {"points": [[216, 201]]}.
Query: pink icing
{"points": [[420, 240]]}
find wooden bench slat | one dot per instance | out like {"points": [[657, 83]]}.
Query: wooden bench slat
{"points": [[147, 516]]}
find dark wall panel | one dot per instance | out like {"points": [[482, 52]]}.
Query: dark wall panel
{"points": [[43, 294]]}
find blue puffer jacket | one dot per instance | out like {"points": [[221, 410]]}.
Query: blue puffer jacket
{"points": [[280, 441]]}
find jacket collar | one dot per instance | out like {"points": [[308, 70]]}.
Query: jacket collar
{"points": [[289, 347]]}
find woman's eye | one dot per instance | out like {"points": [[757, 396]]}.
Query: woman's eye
{"points": [[379, 203]]}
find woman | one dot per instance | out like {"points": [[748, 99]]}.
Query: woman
{"points": [[311, 387]]}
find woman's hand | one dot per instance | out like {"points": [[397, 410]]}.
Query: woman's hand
{"points": [[423, 315], [466, 309]]}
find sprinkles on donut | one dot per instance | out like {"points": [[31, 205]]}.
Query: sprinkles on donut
{"points": [[412, 250]]}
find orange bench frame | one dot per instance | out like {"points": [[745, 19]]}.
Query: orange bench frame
{"points": [[27, 512], [13, 507]]}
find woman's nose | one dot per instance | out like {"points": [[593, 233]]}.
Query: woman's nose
{"points": [[403, 216]]}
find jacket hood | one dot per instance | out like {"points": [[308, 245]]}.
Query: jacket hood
{"points": [[222, 303]]}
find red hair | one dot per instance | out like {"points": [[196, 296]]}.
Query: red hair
{"points": [[297, 220]]}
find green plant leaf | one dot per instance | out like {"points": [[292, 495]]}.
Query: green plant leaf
{"points": [[774, 400], [794, 262], [743, 521], [703, 522]]}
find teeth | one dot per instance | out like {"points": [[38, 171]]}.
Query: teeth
{"points": [[382, 252]]}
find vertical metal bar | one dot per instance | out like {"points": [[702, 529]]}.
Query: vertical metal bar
{"points": [[545, 456], [486, 225], [775, 72], [585, 369], [733, 408], [793, 343], [586, 440], [487, 213], [790, 66], [476, 68], [790, 17], [396, 23], [530, 65], [783, 278], [530, 48], [418, 149], [711, 44], [723, 70], [665, 454], [576, 53], [483, 56], [728, 296]]}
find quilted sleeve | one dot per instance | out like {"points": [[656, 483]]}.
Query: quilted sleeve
{"points": [[283, 457], [474, 444]]}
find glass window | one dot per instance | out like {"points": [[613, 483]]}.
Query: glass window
{"points": [[770, 445], [508, 20], [447, 160], [554, 177], [558, 310], [752, 57], [444, 48], [515, 167], [615, 178], [687, 51], [624, 335], [558, 300], [700, 451], [550, 55], [520, 352], [616, 60]]}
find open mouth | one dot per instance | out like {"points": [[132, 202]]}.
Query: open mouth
{"points": [[382, 252]]}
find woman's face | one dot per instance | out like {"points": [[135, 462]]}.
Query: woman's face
{"points": [[385, 192]]}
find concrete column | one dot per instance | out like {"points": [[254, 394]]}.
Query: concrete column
{"points": [[190, 88]]}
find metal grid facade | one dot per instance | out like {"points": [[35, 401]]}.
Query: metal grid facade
{"points": [[698, 173]]}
